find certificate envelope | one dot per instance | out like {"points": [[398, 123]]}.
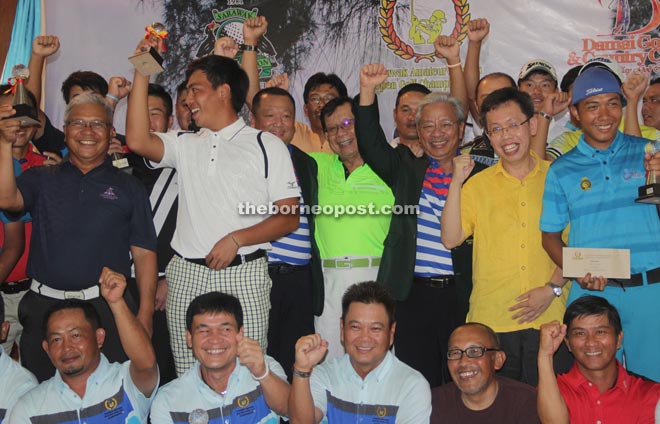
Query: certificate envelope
{"points": [[609, 263]]}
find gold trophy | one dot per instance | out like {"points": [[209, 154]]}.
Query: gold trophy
{"points": [[650, 192], [149, 61], [26, 111]]}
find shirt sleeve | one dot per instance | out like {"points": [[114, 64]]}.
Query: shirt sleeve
{"points": [[281, 181], [318, 384], [170, 151], [554, 216], [468, 208], [417, 405], [160, 411], [143, 233], [140, 402], [28, 183]]}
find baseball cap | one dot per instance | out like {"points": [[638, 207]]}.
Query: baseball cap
{"points": [[605, 63], [537, 65], [595, 81]]}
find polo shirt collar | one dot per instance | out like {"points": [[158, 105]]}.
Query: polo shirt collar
{"points": [[234, 379], [377, 375], [575, 378], [590, 151], [499, 167], [227, 132], [96, 378], [105, 166]]}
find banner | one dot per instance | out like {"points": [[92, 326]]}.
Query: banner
{"points": [[307, 36]]}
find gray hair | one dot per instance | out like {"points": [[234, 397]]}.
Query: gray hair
{"points": [[89, 98], [437, 97]]}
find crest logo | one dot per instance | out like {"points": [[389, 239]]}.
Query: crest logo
{"points": [[110, 404], [109, 194], [243, 401], [381, 411], [585, 184], [425, 23]]}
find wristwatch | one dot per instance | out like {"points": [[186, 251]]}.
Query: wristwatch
{"points": [[555, 288]]}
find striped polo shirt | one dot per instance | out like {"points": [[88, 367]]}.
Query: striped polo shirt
{"points": [[432, 257]]}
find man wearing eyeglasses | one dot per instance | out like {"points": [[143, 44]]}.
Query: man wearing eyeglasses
{"points": [[477, 394], [86, 215], [516, 286]]}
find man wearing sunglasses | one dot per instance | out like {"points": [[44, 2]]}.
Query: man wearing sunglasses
{"points": [[477, 395], [516, 286]]}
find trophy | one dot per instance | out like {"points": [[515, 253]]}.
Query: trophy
{"points": [[149, 61], [650, 192], [26, 111]]}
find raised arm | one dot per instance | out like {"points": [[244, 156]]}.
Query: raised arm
{"points": [[138, 138], [310, 350], [633, 89], [10, 197], [550, 403], [554, 104], [42, 47], [134, 339], [253, 29], [146, 276], [452, 233], [449, 48], [477, 30]]}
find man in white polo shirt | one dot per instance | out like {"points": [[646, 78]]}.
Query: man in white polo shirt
{"points": [[223, 165]]}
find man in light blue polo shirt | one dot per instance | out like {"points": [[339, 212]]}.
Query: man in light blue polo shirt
{"points": [[86, 387], [593, 187], [15, 380], [368, 383], [231, 380]]}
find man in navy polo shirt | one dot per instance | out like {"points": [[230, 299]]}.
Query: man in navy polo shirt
{"points": [[86, 215]]}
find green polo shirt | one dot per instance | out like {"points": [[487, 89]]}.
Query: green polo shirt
{"points": [[351, 234]]}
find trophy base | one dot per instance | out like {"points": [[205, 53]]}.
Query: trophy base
{"points": [[649, 193], [148, 63], [25, 114]]}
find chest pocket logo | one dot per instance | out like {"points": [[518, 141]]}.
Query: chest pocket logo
{"points": [[585, 184], [110, 404]]}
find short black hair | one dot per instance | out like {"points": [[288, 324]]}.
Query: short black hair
{"points": [[507, 77], [321, 78], [569, 78], [654, 81], [331, 106], [214, 302], [592, 305], [494, 338], [90, 312], [5, 91], [273, 91], [181, 88], [222, 70], [412, 87], [368, 292], [87, 80], [157, 90], [504, 95]]}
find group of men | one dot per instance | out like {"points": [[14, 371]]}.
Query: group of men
{"points": [[327, 295]]}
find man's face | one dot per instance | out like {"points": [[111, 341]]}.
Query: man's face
{"points": [[512, 143], [318, 97], [77, 90], [439, 131], [474, 375], [206, 103], [159, 121], [183, 114], [651, 107], [340, 132], [73, 346], [366, 335], [599, 117], [404, 115], [214, 340], [24, 134], [593, 342], [538, 86], [88, 143], [276, 115], [488, 85]]}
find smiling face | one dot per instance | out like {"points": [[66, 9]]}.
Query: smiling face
{"points": [[158, 119], [599, 117], [340, 132], [87, 145], [276, 115], [72, 344], [214, 341], [366, 335], [651, 106], [593, 342], [404, 115], [473, 376], [318, 97], [208, 105], [538, 86], [513, 143], [439, 131]]}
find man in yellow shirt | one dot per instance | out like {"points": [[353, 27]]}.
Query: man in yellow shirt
{"points": [[516, 286]]}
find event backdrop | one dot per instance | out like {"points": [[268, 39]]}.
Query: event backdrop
{"points": [[307, 36]]}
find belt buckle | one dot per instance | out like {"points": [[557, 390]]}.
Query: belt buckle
{"points": [[343, 263], [74, 295]]}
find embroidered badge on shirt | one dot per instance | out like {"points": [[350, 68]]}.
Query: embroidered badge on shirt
{"points": [[585, 184], [109, 194]]}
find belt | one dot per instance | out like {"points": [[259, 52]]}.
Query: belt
{"points": [[635, 280], [440, 282], [284, 268], [351, 263], [13, 287], [84, 294], [238, 260]]}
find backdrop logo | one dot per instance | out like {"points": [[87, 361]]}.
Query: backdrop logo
{"points": [[421, 24], [229, 23]]}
